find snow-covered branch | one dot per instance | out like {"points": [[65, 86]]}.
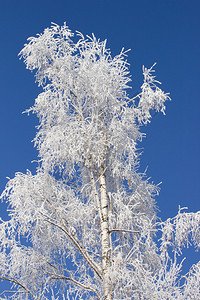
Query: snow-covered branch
{"points": [[60, 277], [180, 231], [17, 282]]}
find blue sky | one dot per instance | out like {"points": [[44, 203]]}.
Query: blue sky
{"points": [[162, 31]]}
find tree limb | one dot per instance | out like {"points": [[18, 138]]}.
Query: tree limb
{"points": [[11, 279], [90, 261], [78, 283], [123, 230]]}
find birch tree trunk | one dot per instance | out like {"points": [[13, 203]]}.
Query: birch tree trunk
{"points": [[106, 255]]}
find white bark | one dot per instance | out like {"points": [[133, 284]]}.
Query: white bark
{"points": [[106, 255]]}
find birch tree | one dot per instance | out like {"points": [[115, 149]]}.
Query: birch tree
{"points": [[84, 226]]}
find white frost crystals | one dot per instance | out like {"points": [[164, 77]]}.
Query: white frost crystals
{"points": [[84, 226], [151, 97]]}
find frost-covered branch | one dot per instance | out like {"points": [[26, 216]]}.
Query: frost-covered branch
{"points": [[77, 283], [123, 230], [151, 98], [15, 281], [180, 231], [90, 261]]}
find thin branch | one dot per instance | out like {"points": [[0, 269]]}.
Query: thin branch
{"points": [[183, 277], [94, 253], [18, 283], [78, 283], [157, 224], [124, 230], [12, 292], [90, 261]]}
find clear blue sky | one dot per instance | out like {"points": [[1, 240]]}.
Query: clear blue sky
{"points": [[162, 31]]}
